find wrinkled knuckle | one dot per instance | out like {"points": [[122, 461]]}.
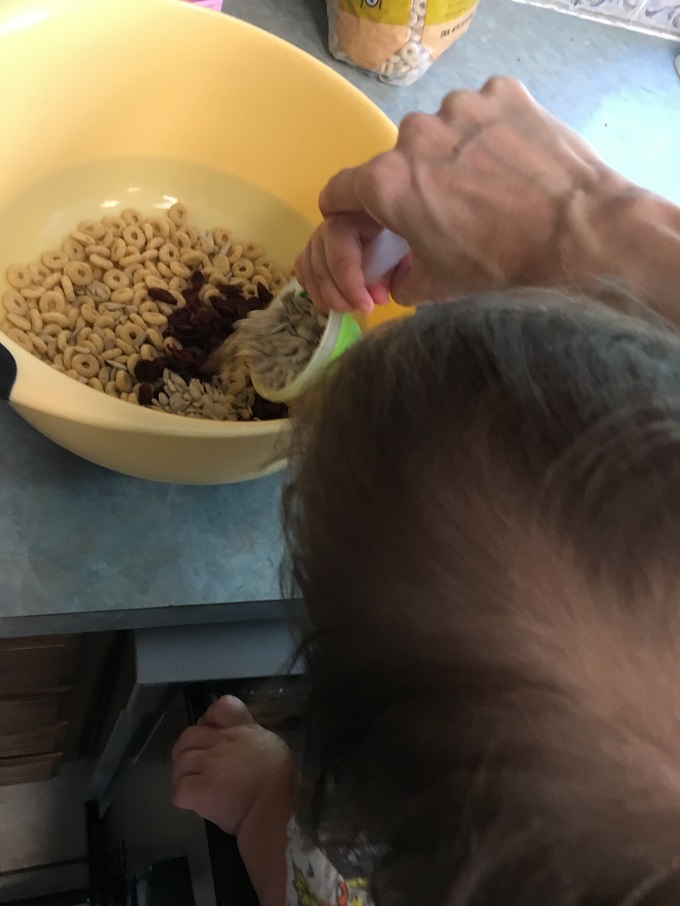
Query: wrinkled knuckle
{"points": [[501, 86], [458, 104], [452, 101], [414, 127], [330, 185], [376, 179], [333, 227], [494, 85], [341, 174], [376, 170]]}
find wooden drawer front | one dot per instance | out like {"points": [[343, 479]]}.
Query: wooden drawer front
{"points": [[27, 665], [28, 768], [27, 713], [33, 742]]}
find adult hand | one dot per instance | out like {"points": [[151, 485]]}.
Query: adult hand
{"points": [[483, 192]]}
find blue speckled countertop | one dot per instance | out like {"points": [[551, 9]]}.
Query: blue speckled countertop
{"points": [[77, 539], [617, 88], [82, 547]]}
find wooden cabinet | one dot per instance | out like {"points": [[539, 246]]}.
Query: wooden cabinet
{"points": [[48, 687], [28, 768], [41, 662]]}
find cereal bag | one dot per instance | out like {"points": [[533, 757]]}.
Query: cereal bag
{"points": [[397, 40]]}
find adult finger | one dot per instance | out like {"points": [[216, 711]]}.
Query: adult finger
{"points": [[504, 86], [368, 188], [474, 108], [340, 194], [463, 109], [413, 283], [506, 89], [423, 136]]}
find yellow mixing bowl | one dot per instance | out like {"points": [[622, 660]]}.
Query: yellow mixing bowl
{"points": [[107, 104]]}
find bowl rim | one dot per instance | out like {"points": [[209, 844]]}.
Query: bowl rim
{"points": [[103, 410], [89, 406]]}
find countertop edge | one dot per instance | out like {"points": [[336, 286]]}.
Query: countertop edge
{"points": [[145, 618]]}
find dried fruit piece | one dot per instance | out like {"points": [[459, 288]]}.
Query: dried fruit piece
{"points": [[122, 314]]}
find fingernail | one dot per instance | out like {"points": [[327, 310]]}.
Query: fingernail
{"points": [[379, 293]]}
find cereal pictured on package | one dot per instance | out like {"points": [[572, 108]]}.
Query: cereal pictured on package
{"points": [[396, 40]]}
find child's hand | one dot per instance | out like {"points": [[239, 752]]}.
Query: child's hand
{"points": [[224, 764], [488, 193]]}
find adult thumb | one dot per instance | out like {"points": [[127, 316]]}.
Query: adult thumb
{"points": [[411, 284]]}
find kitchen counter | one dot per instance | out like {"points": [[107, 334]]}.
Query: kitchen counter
{"points": [[617, 88], [84, 548], [94, 547]]}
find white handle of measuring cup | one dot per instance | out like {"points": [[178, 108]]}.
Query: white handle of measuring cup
{"points": [[383, 254]]}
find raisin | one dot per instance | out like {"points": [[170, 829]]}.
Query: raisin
{"points": [[162, 295], [191, 298], [182, 355], [231, 309], [258, 304], [265, 410], [179, 318], [201, 328], [149, 370], [145, 393], [263, 294], [204, 316], [220, 305], [227, 327], [228, 289]]}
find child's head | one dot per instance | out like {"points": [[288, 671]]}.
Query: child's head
{"points": [[484, 520]]}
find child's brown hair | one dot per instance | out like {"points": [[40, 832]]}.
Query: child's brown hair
{"points": [[483, 518]]}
